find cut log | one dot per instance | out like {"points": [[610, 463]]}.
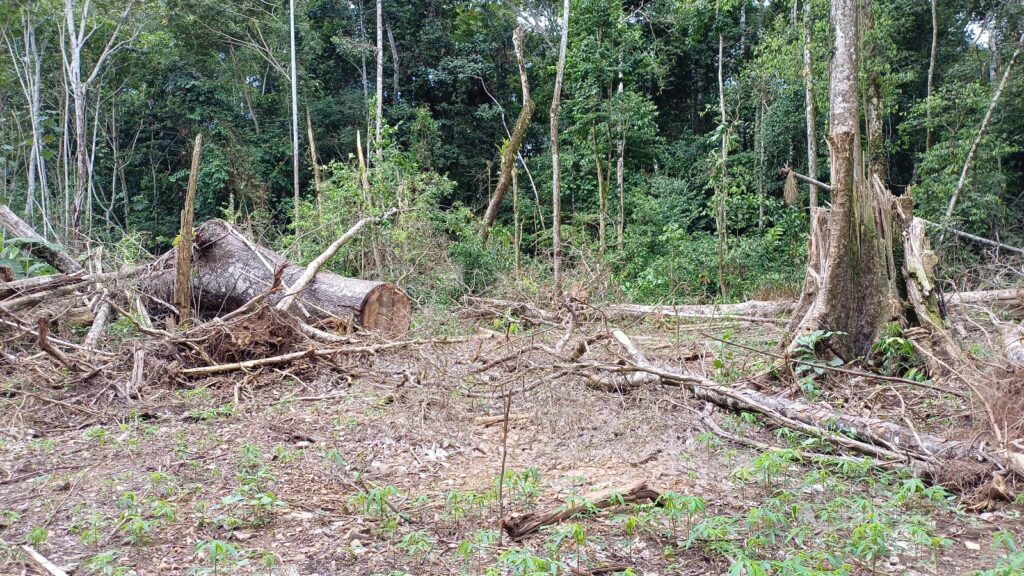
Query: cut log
{"points": [[40, 248], [525, 524], [229, 271]]}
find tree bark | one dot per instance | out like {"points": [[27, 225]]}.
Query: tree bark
{"points": [[856, 292], [515, 141], [295, 115], [230, 271], [396, 95], [378, 132], [931, 77], [556, 170], [720, 223]]}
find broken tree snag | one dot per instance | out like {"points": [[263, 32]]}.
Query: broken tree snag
{"points": [[525, 524], [229, 271], [941, 352], [38, 247], [183, 262], [1013, 344]]}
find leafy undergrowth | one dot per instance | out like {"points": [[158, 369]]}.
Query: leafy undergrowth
{"points": [[376, 466]]}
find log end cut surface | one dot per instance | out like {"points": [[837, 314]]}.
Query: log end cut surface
{"points": [[387, 310]]}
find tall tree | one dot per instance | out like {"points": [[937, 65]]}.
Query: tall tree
{"points": [[556, 169], [853, 297], [378, 134], [78, 29], [295, 113], [810, 114]]}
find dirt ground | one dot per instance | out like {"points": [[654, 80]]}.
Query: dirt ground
{"points": [[365, 464]]}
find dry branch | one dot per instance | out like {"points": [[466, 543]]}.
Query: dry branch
{"points": [[522, 525], [41, 561]]}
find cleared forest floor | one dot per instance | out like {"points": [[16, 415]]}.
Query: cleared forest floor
{"points": [[383, 463]]}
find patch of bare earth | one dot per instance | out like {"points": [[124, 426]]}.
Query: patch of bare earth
{"points": [[386, 463]]}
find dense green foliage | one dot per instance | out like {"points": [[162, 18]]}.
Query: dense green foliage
{"points": [[641, 77]]}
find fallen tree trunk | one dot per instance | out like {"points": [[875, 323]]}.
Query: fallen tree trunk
{"points": [[926, 454], [38, 247], [229, 271], [750, 311]]}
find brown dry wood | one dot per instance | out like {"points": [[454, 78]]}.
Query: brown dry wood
{"points": [[229, 271], [46, 346], [924, 453], [487, 421], [523, 525], [182, 299], [39, 248], [102, 307], [60, 287], [317, 353]]}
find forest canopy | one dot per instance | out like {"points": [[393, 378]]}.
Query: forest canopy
{"points": [[676, 118]]}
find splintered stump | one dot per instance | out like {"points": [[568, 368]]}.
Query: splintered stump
{"points": [[229, 271], [523, 525]]}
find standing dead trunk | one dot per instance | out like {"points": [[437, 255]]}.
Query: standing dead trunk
{"points": [[556, 170], [856, 292], [183, 263], [515, 141], [809, 107]]}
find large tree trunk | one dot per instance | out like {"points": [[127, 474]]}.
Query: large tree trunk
{"points": [[856, 293], [229, 271]]}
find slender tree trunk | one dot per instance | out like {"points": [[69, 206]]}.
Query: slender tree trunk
{"points": [[556, 170], [620, 224], [602, 197], [295, 115], [515, 141], [720, 222], [396, 95], [854, 293], [378, 126], [315, 162], [931, 77], [809, 108], [973, 152]]}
